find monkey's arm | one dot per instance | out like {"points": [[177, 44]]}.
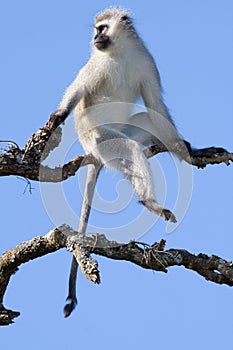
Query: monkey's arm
{"points": [[163, 127], [168, 137], [71, 98], [150, 90]]}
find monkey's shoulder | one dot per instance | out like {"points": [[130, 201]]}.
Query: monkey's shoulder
{"points": [[120, 76]]}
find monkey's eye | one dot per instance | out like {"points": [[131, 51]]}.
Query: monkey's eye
{"points": [[101, 28]]}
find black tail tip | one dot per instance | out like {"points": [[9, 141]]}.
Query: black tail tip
{"points": [[68, 309]]}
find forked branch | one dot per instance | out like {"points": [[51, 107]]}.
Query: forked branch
{"points": [[26, 162], [154, 257]]}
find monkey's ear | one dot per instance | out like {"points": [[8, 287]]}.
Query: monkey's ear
{"points": [[125, 19]]}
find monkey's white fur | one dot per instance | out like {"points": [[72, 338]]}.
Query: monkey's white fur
{"points": [[119, 70], [120, 73]]}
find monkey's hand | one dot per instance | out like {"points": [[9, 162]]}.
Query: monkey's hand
{"points": [[207, 152], [57, 118]]}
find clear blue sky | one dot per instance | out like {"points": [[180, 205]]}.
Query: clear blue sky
{"points": [[43, 45]]}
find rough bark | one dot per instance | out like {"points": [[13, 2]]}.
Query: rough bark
{"points": [[154, 257], [26, 162]]}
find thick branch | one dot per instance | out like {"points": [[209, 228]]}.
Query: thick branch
{"points": [[27, 162], [152, 257], [13, 163]]}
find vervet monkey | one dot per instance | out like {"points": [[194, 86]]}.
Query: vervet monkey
{"points": [[119, 71]]}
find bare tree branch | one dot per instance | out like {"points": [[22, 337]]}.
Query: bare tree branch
{"points": [[199, 157], [154, 257], [27, 162]]}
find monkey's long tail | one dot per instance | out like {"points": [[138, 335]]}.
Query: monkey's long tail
{"points": [[92, 175], [72, 299]]}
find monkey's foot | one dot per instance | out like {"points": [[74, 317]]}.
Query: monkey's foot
{"points": [[69, 307], [166, 214]]}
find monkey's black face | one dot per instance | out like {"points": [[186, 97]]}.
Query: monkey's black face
{"points": [[101, 40]]}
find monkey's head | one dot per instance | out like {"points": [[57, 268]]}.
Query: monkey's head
{"points": [[112, 29]]}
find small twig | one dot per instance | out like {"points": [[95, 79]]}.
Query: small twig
{"points": [[28, 184], [12, 143]]}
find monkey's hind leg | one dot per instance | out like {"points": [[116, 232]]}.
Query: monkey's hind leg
{"points": [[166, 214], [127, 156], [92, 175], [138, 173]]}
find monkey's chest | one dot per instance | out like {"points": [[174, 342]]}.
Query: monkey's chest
{"points": [[102, 114], [119, 83], [107, 104]]}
